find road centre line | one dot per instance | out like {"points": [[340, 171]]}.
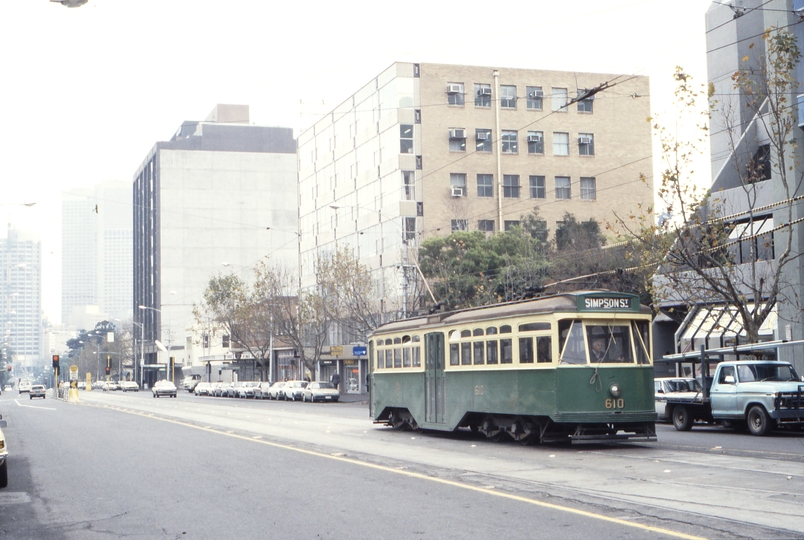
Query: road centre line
{"points": [[420, 476], [34, 406]]}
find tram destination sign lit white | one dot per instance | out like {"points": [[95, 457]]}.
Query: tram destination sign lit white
{"points": [[608, 302]]}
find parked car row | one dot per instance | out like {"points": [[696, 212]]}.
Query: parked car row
{"points": [[285, 390]]}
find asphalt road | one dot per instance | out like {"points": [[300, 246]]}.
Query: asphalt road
{"points": [[128, 465]]}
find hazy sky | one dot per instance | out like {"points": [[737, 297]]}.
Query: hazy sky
{"points": [[86, 92]]}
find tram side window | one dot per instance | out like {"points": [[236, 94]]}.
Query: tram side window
{"points": [[642, 341], [570, 334], [526, 350], [397, 357], [406, 357], [453, 354], [544, 349], [507, 351], [466, 354], [529, 327], [491, 351], [478, 346], [417, 358], [389, 358], [380, 359]]}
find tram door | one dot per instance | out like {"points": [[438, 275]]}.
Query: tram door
{"points": [[434, 377]]}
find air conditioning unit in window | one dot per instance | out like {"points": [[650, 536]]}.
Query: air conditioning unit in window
{"points": [[534, 138], [457, 134], [484, 92], [457, 191], [536, 94], [483, 135], [454, 89], [584, 140]]}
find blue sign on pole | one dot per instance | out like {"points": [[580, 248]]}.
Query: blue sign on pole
{"points": [[359, 351]]}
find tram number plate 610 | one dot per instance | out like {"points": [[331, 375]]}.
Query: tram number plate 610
{"points": [[615, 403]]}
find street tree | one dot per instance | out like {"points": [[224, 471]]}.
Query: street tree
{"points": [[708, 253]]}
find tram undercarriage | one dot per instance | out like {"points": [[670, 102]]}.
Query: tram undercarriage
{"points": [[533, 429]]}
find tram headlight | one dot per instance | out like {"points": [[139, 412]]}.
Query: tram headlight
{"points": [[615, 390]]}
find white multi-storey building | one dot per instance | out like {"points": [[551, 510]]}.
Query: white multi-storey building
{"points": [[21, 264], [219, 196]]}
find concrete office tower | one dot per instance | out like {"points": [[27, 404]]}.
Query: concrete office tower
{"points": [[21, 264], [219, 192], [427, 149], [96, 254]]}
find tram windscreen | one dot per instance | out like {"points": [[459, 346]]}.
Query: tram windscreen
{"points": [[609, 344]]}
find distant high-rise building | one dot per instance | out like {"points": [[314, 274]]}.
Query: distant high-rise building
{"points": [[96, 254], [219, 196], [21, 264]]}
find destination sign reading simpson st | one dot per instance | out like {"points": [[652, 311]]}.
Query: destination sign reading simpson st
{"points": [[608, 302]]}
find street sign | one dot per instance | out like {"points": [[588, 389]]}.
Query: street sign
{"points": [[73, 372], [359, 351], [336, 350]]}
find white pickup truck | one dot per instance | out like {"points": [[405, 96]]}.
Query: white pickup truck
{"points": [[760, 394]]}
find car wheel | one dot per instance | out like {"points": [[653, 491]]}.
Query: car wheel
{"points": [[758, 421], [312, 398], [682, 419], [4, 474]]}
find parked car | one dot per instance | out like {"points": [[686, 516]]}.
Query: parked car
{"points": [[262, 390], [674, 387], [320, 391], [37, 390], [246, 389], [25, 386], [189, 383], [203, 389], [228, 389], [275, 391], [164, 388], [293, 390], [217, 389], [129, 386], [3, 456], [7, 388]]}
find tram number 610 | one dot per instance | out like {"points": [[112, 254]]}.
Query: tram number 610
{"points": [[615, 403]]}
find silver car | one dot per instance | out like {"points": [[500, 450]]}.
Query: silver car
{"points": [[320, 391], [164, 388], [293, 390]]}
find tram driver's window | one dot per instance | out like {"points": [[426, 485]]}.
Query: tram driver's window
{"points": [[526, 350], [544, 349], [571, 342]]}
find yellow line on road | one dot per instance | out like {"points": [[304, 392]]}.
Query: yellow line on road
{"points": [[420, 476]]}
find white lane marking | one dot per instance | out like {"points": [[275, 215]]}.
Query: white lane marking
{"points": [[34, 406]]}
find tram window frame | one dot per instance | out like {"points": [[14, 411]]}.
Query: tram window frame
{"points": [[526, 354], [466, 333], [641, 333], [417, 356], [466, 353], [534, 326], [492, 346], [506, 351], [491, 331], [397, 357], [478, 332], [505, 329], [389, 358], [572, 345], [617, 340], [454, 355], [406, 357], [478, 358]]}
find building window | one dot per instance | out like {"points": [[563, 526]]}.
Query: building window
{"points": [[509, 144], [588, 189], [405, 138], [485, 225], [508, 97], [485, 185], [482, 95], [535, 95], [457, 184], [457, 140], [585, 105], [563, 189], [538, 188], [559, 99], [511, 186], [459, 225], [410, 229], [560, 144], [586, 144], [409, 185], [483, 137], [455, 95], [535, 142], [510, 225]]}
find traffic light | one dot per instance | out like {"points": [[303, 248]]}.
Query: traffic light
{"points": [[55, 362], [108, 369]]}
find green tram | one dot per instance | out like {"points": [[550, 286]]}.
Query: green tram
{"points": [[568, 367]]}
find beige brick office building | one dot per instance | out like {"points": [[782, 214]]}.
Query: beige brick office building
{"points": [[426, 149]]}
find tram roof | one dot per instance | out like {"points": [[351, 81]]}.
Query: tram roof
{"points": [[563, 302]]}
